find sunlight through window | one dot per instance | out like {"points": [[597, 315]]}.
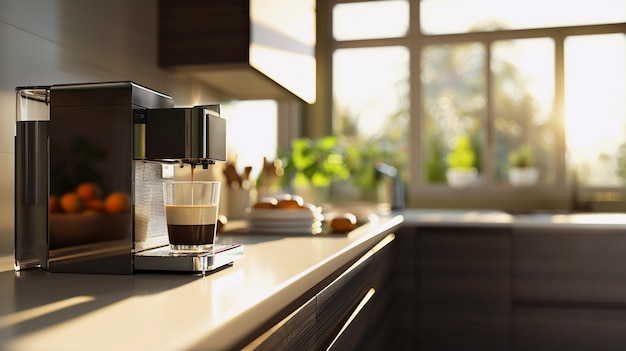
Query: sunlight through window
{"points": [[373, 19], [251, 133], [595, 112], [370, 85], [461, 16]]}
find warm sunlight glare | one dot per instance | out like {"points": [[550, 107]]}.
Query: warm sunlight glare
{"points": [[367, 83], [35, 312], [367, 20], [516, 14], [251, 133], [595, 123]]}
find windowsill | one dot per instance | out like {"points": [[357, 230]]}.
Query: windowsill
{"points": [[520, 199]]}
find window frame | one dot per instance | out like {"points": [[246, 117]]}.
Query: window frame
{"points": [[566, 194]]}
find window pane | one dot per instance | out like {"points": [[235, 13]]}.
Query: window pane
{"points": [[453, 104], [461, 16], [370, 20], [595, 112], [371, 106], [523, 95]]}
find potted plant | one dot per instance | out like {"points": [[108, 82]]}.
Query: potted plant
{"points": [[461, 159], [522, 169], [312, 165]]}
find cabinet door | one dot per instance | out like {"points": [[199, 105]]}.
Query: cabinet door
{"points": [[353, 311], [465, 288], [406, 286], [570, 289], [570, 265], [541, 328]]}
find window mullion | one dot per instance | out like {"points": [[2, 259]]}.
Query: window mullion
{"points": [[489, 151], [559, 102], [417, 158]]}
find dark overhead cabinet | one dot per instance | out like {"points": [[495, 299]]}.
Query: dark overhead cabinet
{"points": [[246, 49]]}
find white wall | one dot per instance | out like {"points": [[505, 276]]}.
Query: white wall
{"points": [[44, 42]]}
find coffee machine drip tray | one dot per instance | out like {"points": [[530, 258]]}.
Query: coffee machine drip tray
{"points": [[162, 259]]}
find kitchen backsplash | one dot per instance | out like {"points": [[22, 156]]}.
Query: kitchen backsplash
{"points": [[70, 41]]}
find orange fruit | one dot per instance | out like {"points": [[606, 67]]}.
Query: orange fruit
{"points": [[89, 191], [54, 204], [71, 203], [343, 223], [117, 202], [95, 205]]}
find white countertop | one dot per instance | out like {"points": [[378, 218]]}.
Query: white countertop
{"points": [[167, 311]]}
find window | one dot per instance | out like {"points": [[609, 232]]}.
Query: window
{"points": [[492, 85]]}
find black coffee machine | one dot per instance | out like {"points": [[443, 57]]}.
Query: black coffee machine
{"points": [[127, 139]]}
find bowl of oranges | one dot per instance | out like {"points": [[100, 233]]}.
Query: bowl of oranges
{"points": [[86, 215]]}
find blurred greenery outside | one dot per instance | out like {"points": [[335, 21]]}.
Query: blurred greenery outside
{"points": [[320, 162], [454, 104]]}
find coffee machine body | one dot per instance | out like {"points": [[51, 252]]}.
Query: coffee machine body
{"points": [[101, 134]]}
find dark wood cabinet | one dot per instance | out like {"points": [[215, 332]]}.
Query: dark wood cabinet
{"points": [[511, 288], [464, 288], [471, 288], [350, 313], [453, 288], [240, 48], [572, 328], [406, 287], [570, 289]]}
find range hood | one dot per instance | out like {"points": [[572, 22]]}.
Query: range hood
{"points": [[246, 49]]}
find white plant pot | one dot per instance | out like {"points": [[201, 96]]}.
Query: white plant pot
{"points": [[461, 177], [525, 176]]}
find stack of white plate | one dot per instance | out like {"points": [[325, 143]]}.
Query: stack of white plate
{"points": [[277, 220]]}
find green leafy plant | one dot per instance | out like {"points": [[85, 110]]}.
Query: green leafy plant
{"points": [[462, 155], [435, 170], [521, 157], [315, 161]]}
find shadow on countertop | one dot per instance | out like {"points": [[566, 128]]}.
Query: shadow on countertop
{"points": [[35, 299]]}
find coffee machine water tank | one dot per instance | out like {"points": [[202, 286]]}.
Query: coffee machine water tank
{"points": [[31, 177]]}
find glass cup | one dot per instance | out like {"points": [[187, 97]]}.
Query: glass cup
{"points": [[191, 209]]}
